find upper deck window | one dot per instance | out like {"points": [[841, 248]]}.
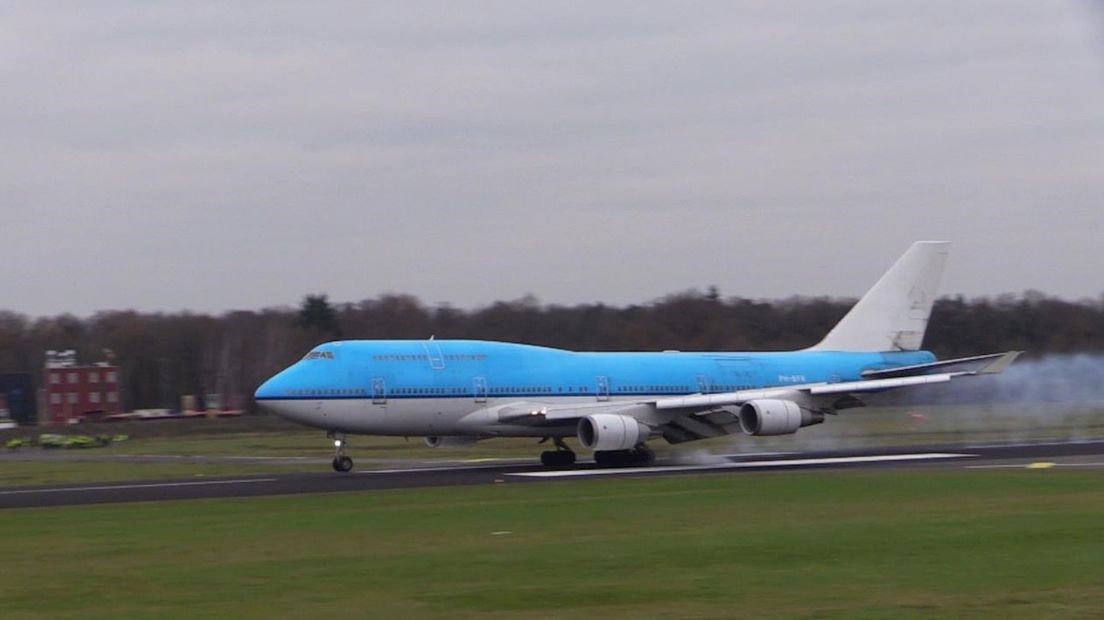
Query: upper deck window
{"points": [[319, 355]]}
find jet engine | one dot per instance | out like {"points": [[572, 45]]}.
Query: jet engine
{"points": [[776, 417], [609, 431], [434, 441]]}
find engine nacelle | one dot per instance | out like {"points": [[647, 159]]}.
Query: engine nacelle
{"points": [[434, 441], [776, 417], [609, 431]]}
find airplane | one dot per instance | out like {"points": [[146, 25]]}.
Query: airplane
{"points": [[455, 392]]}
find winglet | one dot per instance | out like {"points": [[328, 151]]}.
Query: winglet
{"points": [[998, 365]]}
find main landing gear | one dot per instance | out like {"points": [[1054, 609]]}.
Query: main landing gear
{"points": [[562, 456], [638, 456], [341, 462]]}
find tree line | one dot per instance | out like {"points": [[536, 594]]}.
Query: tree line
{"points": [[164, 355]]}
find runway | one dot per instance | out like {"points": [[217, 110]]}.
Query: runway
{"points": [[1076, 454]]}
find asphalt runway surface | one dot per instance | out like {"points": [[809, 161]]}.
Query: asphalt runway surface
{"points": [[1076, 454]]}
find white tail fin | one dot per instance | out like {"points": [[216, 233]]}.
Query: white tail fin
{"points": [[893, 315]]}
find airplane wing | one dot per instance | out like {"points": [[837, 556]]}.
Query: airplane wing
{"points": [[991, 364], [540, 414], [996, 364], [697, 416], [712, 415]]}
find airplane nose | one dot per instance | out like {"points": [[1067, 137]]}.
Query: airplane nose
{"points": [[278, 396], [277, 387], [267, 390], [270, 396]]}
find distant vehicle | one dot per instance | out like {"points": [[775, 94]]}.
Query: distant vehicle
{"points": [[460, 391], [5, 416]]}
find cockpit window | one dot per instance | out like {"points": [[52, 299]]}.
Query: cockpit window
{"points": [[319, 355]]}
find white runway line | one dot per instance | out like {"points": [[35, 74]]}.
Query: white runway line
{"points": [[200, 457], [736, 455], [120, 487], [841, 460], [414, 470]]}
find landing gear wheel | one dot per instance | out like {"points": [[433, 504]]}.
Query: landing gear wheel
{"points": [[342, 464], [638, 456], [609, 458], [557, 458], [643, 455]]}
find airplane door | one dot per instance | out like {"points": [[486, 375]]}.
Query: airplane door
{"points": [[379, 391], [705, 386], [479, 384], [433, 352], [602, 384], [742, 373]]}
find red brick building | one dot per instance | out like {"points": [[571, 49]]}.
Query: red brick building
{"points": [[73, 392]]}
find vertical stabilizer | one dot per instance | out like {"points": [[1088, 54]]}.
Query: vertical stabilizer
{"points": [[893, 315]]}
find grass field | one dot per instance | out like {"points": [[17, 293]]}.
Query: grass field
{"points": [[263, 436], [200, 457], [892, 544]]}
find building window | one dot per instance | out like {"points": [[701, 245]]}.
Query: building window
{"points": [[112, 397], [55, 399], [110, 376], [72, 377], [55, 378], [93, 377], [94, 398], [73, 398]]}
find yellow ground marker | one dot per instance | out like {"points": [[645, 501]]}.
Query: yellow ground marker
{"points": [[1041, 465]]}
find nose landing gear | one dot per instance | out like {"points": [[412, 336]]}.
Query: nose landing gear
{"points": [[341, 462]]}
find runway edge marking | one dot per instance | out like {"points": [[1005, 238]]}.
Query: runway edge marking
{"points": [[121, 487], [841, 460]]}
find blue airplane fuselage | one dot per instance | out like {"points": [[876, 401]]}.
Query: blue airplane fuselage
{"points": [[456, 377]]}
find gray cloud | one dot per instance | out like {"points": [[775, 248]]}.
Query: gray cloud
{"points": [[212, 156]]}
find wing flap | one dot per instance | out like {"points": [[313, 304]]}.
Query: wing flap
{"points": [[691, 428], [536, 414], [710, 401], [878, 385]]}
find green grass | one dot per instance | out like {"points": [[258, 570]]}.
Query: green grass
{"points": [[30, 466], [898, 544], [94, 465], [315, 444], [27, 473]]}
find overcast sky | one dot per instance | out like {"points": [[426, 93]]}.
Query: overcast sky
{"points": [[213, 156]]}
